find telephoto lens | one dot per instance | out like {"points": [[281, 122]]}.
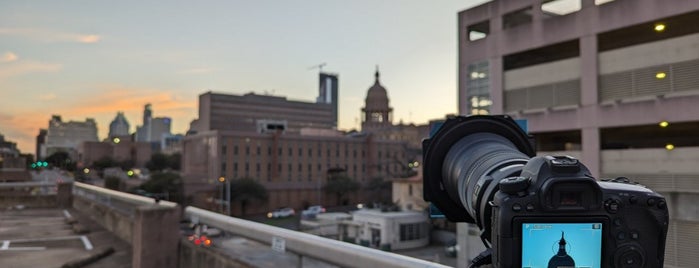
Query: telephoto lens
{"points": [[465, 160]]}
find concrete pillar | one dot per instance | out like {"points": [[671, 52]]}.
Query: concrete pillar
{"points": [[591, 150], [155, 236], [64, 195]]}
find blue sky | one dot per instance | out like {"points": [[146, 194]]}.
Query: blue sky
{"points": [[84, 59]]}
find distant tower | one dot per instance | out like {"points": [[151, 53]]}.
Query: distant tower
{"points": [[327, 91], [376, 112], [147, 114], [561, 259], [119, 126], [40, 141], [143, 132]]}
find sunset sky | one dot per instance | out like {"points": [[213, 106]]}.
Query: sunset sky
{"points": [[82, 59]]}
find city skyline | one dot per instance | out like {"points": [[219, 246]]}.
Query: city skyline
{"points": [[93, 60]]}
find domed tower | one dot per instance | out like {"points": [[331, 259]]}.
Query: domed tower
{"points": [[376, 112], [561, 259]]}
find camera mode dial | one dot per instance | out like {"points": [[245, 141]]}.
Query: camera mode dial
{"points": [[514, 185]]}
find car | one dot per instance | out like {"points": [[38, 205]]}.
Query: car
{"points": [[281, 213], [312, 211]]}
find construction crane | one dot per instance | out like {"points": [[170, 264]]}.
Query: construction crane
{"points": [[319, 67]]}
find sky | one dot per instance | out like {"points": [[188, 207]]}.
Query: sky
{"points": [[91, 59]]}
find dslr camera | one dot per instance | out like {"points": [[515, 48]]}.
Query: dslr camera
{"points": [[538, 211]]}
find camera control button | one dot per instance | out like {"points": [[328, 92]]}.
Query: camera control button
{"points": [[516, 207], [530, 207], [662, 204], [633, 199], [612, 205], [634, 235], [621, 236], [651, 202]]}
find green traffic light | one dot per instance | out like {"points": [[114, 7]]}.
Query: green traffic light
{"points": [[33, 165]]}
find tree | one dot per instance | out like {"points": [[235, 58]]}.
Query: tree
{"points": [[340, 186], [246, 190], [380, 190], [165, 182], [158, 162], [61, 160]]}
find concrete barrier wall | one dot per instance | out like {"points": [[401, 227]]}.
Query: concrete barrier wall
{"points": [[193, 256], [116, 222], [155, 236]]}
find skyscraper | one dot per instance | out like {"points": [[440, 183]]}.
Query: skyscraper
{"points": [[328, 90], [119, 126]]}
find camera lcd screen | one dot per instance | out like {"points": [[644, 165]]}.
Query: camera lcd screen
{"points": [[561, 245]]}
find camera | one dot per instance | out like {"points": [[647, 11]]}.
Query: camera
{"points": [[538, 211]]}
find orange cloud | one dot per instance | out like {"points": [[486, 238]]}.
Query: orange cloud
{"points": [[8, 57], [92, 38]]}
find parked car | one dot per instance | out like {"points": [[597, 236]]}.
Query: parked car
{"points": [[281, 213], [312, 211]]}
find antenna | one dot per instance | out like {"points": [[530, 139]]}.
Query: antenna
{"points": [[318, 66]]}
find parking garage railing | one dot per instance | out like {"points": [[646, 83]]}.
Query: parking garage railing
{"points": [[305, 245]]}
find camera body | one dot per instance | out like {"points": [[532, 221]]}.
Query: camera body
{"points": [[602, 223], [538, 211]]}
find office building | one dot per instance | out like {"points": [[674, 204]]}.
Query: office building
{"points": [[288, 146], [615, 83], [66, 136], [119, 127], [260, 113]]}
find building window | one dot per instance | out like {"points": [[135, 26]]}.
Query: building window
{"points": [[555, 8], [247, 167], [291, 151], [300, 151], [223, 168], [235, 150], [478, 31], [257, 168], [223, 149], [412, 231], [410, 190], [310, 152], [478, 89], [259, 150], [235, 167], [269, 150], [247, 150]]}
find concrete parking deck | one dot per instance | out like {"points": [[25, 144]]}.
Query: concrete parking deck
{"points": [[43, 238]]}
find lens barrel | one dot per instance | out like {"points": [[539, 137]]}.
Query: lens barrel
{"points": [[465, 160]]}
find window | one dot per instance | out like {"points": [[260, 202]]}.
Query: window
{"points": [[478, 31], [478, 88], [223, 168], [412, 231], [300, 151], [235, 150], [223, 149], [259, 150], [247, 150]]}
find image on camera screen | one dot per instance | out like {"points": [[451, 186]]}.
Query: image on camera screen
{"points": [[561, 245]]}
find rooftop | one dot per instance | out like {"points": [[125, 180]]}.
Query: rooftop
{"points": [[45, 237]]}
